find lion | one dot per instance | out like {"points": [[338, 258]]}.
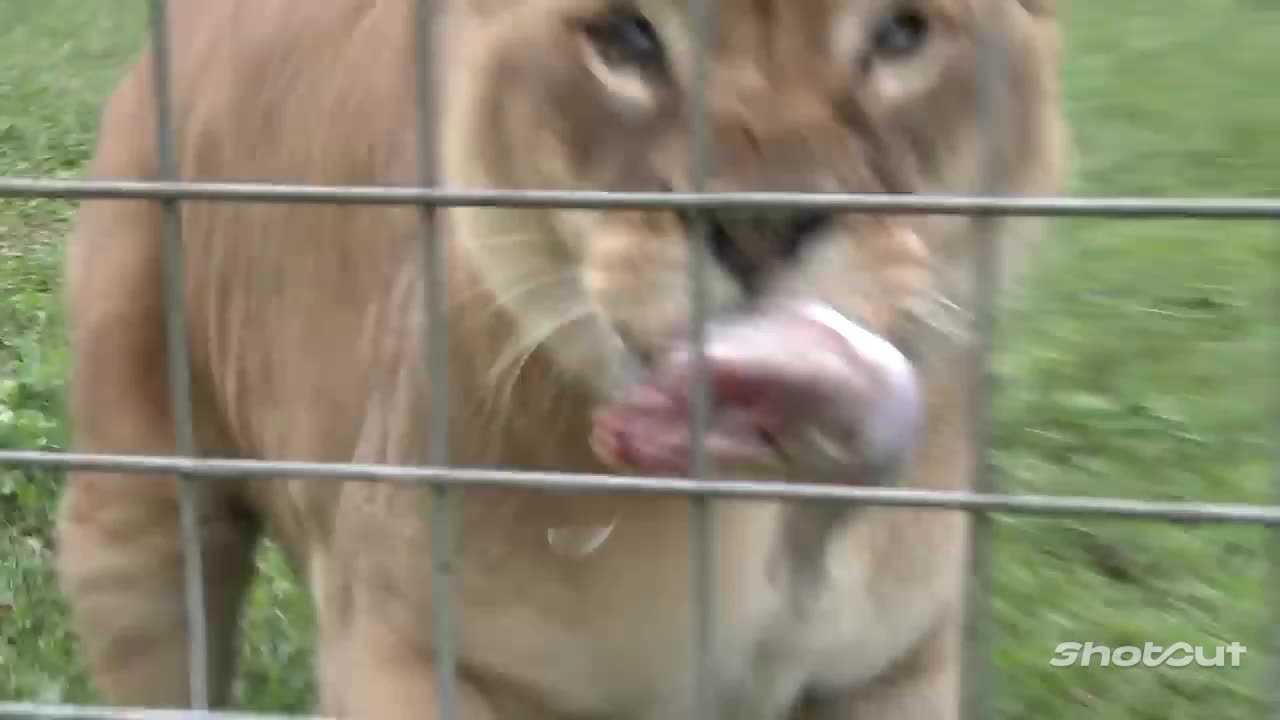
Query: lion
{"points": [[839, 347]]}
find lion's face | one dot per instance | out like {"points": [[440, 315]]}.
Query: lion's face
{"points": [[850, 96]]}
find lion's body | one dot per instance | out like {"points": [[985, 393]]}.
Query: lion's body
{"points": [[305, 327]]}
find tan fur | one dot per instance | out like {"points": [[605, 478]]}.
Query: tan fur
{"points": [[305, 324]]}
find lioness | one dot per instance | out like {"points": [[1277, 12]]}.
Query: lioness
{"points": [[567, 347]]}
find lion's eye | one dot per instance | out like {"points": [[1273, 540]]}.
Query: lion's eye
{"points": [[901, 33], [625, 36]]}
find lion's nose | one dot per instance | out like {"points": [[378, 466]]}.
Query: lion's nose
{"points": [[747, 244]]}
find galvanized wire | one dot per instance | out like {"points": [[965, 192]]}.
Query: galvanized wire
{"points": [[178, 359], [43, 711], [1271, 639], [190, 470], [976, 667], [702, 565], [1032, 504], [1132, 208], [428, 14]]}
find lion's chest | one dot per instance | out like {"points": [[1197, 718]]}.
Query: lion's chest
{"points": [[768, 659], [624, 648]]}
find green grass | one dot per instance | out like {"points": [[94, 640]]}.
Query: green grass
{"points": [[1136, 364]]}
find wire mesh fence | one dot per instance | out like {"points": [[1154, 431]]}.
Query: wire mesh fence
{"points": [[985, 498]]}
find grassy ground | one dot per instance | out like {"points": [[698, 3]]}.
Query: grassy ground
{"points": [[1135, 366]]}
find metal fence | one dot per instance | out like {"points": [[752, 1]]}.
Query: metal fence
{"points": [[168, 190]]}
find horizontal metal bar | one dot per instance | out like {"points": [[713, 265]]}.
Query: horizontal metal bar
{"points": [[1122, 207], [41, 711], [599, 483]]}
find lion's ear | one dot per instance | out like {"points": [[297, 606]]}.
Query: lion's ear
{"points": [[1046, 8]]}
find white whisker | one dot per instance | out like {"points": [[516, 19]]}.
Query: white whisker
{"points": [[935, 312], [514, 357]]}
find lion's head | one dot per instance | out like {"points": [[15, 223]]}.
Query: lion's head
{"points": [[855, 96]]}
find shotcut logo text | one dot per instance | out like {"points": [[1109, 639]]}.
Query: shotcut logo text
{"points": [[1179, 654]]}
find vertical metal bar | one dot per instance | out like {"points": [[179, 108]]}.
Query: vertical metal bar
{"points": [[703, 530], [178, 356], [978, 685], [1272, 535], [427, 16]]}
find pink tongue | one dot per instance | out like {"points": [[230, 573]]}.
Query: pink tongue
{"points": [[786, 371]]}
